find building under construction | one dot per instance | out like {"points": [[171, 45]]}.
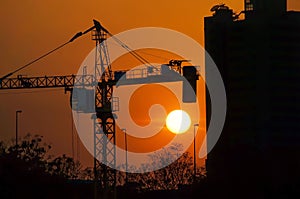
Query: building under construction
{"points": [[259, 60]]}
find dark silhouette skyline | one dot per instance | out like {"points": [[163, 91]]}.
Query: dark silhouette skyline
{"points": [[258, 152], [257, 155]]}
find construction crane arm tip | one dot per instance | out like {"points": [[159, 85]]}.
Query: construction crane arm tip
{"points": [[75, 36]]}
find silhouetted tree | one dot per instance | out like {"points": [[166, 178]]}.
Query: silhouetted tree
{"points": [[65, 167], [87, 174], [23, 168], [30, 155], [28, 171], [178, 172]]}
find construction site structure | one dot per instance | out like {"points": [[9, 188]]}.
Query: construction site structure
{"points": [[104, 80]]}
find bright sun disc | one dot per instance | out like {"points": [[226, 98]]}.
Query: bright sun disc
{"points": [[178, 121]]}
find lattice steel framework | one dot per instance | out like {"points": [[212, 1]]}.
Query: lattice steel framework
{"points": [[104, 122], [67, 81]]}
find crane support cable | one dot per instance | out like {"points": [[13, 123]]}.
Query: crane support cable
{"points": [[132, 52], [48, 53], [98, 27]]}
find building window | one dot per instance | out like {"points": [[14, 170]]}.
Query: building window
{"points": [[249, 7]]}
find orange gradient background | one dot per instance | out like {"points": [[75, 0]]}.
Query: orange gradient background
{"points": [[30, 28]]}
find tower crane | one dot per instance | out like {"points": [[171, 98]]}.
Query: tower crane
{"points": [[104, 79]]}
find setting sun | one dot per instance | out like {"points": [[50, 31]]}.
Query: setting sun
{"points": [[178, 121]]}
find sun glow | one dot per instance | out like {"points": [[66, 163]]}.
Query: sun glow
{"points": [[178, 121]]}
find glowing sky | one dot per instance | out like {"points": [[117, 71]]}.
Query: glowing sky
{"points": [[30, 28]]}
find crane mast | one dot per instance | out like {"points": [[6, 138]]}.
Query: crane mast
{"points": [[104, 81], [104, 122]]}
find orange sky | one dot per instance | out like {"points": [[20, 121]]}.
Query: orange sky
{"points": [[32, 27]]}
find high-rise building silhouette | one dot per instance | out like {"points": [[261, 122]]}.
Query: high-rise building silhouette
{"points": [[259, 60]]}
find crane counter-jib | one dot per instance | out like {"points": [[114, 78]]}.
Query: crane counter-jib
{"points": [[66, 81]]}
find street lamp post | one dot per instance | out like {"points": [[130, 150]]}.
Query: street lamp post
{"points": [[195, 167], [17, 112], [126, 155]]}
